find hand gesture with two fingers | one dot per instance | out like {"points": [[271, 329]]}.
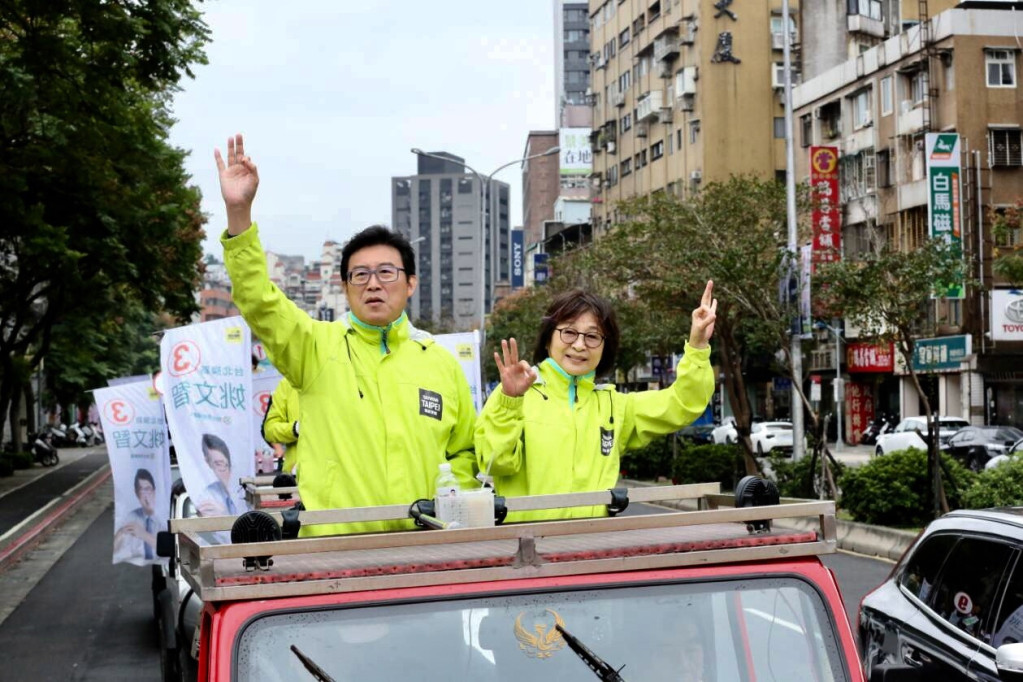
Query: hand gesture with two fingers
{"points": [[703, 318], [516, 375]]}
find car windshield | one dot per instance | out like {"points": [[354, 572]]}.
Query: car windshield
{"points": [[768, 628], [1005, 434]]}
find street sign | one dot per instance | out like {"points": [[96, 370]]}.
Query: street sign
{"points": [[815, 388], [540, 268], [518, 260]]}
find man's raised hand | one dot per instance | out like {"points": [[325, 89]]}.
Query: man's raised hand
{"points": [[238, 182], [516, 375]]}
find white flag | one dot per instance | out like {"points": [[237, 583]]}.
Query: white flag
{"points": [[264, 382], [207, 384], [136, 440]]}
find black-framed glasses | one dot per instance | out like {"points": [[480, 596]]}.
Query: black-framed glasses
{"points": [[385, 273], [590, 339]]}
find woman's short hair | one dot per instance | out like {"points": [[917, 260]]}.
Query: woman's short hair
{"points": [[570, 305]]}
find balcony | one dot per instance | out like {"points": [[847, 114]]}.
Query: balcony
{"points": [[912, 194], [858, 23], [649, 105], [860, 140], [665, 47], [617, 97], [910, 119]]}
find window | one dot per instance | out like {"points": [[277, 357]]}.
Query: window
{"points": [[921, 571], [1004, 147], [465, 186], [623, 38], [861, 109], [776, 32], [831, 120], [679, 135], [867, 8], [612, 176], [886, 96], [656, 150], [626, 167], [806, 130], [884, 171], [626, 122], [779, 127], [965, 589], [624, 81], [694, 131], [1001, 68], [917, 87]]}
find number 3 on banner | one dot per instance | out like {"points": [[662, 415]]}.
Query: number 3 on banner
{"points": [[184, 359]]}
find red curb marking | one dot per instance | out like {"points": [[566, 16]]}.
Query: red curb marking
{"points": [[52, 518]]}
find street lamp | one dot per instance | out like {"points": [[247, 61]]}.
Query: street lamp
{"points": [[838, 376], [484, 182]]}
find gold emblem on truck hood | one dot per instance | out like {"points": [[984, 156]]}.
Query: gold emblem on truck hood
{"points": [[547, 639]]}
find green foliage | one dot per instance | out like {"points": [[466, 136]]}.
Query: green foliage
{"points": [[6, 467], [650, 462], [1001, 486], [794, 477], [98, 215], [893, 490], [19, 460], [709, 463], [1008, 260]]}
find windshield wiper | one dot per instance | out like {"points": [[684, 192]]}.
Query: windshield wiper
{"points": [[315, 670], [598, 665]]}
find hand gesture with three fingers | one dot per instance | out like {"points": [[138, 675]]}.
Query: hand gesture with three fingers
{"points": [[516, 375], [703, 318]]}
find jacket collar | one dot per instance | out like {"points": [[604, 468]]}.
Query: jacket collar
{"points": [[387, 337], [562, 384]]}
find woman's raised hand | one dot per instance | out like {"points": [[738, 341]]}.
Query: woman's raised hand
{"points": [[516, 375], [703, 318]]}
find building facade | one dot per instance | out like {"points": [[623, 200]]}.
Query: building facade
{"points": [[440, 210], [571, 54], [956, 73], [540, 185], [683, 92]]}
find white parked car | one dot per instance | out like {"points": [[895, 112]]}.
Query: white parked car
{"points": [[910, 433], [771, 436], [725, 433]]}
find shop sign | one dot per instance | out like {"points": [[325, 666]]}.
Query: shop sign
{"points": [[870, 357], [859, 405], [942, 354], [1006, 315]]}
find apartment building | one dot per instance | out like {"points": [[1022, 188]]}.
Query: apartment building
{"points": [[440, 210], [684, 92], [956, 73], [571, 54]]}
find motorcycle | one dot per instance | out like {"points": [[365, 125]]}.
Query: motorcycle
{"points": [[879, 425], [43, 450], [58, 436], [76, 435]]}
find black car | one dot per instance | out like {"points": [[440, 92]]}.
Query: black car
{"points": [[952, 605], [698, 434], [975, 445]]}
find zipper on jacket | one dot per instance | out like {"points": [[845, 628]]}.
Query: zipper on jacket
{"points": [[351, 364]]}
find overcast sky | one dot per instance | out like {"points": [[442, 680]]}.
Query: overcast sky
{"points": [[332, 94]]}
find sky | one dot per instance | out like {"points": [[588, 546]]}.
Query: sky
{"points": [[331, 95]]}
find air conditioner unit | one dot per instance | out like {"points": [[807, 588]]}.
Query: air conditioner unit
{"points": [[777, 41], [641, 130], [589, 92], [611, 147], [664, 115], [687, 103], [696, 176]]}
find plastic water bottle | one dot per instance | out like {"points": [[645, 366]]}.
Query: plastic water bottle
{"points": [[446, 487]]}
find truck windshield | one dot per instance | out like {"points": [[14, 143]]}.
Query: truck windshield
{"points": [[726, 631]]}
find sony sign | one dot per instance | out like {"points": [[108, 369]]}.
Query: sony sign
{"points": [[1007, 315], [518, 260]]}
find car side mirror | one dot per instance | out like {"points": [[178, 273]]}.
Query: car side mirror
{"points": [[165, 544], [1009, 659]]}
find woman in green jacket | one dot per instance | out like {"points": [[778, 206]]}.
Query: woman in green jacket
{"points": [[551, 429]]}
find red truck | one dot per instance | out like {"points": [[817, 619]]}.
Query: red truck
{"points": [[718, 594]]}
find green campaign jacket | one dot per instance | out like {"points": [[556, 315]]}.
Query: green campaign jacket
{"points": [[568, 435], [280, 419], [382, 407]]}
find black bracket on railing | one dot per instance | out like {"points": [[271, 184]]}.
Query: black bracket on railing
{"points": [[500, 510], [291, 524], [619, 501], [284, 481]]}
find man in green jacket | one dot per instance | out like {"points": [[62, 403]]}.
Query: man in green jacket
{"points": [[280, 423], [382, 405]]}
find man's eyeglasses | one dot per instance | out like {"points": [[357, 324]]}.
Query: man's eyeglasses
{"points": [[590, 339], [385, 273]]}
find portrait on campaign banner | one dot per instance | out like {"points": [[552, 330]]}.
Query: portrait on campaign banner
{"points": [[132, 416], [207, 384]]}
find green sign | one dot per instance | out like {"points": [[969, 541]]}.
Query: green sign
{"points": [[943, 354], [944, 197]]}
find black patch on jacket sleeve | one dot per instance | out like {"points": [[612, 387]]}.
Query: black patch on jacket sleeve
{"points": [[607, 441], [431, 404]]}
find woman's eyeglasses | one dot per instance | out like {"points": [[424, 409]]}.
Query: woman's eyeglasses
{"points": [[590, 339]]}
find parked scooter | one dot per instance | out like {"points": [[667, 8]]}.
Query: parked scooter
{"points": [[76, 435], [58, 436], [91, 438], [880, 424], [43, 450]]}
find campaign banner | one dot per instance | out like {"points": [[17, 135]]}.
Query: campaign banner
{"points": [[576, 152], [207, 384], [264, 382], [944, 197], [136, 440], [825, 217], [127, 380], [518, 260], [465, 346]]}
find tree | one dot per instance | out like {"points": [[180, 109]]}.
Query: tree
{"points": [[732, 232], [96, 208], [1008, 263], [886, 294]]}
